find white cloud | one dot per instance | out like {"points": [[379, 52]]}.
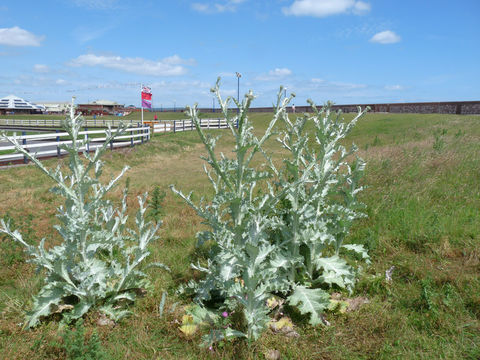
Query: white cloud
{"points": [[385, 37], [324, 8], [60, 82], [277, 73], [16, 36], [177, 60], [394, 87], [361, 8], [280, 72], [226, 74], [87, 33], [225, 6], [335, 85], [40, 68], [203, 8], [170, 66], [181, 86]]}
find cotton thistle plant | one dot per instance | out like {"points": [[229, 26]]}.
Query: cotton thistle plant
{"points": [[241, 263], [98, 263], [278, 231], [319, 210]]}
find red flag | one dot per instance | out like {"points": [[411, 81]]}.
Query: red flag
{"points": [[146, 96]]}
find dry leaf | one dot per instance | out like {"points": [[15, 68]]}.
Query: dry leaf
{"points": [[272, 355]]}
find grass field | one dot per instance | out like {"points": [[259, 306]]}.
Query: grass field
{"points": [[423, 205], [136, 115]]}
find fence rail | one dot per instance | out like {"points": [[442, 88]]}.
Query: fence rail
{"points": [[161, 126], [186, 125], [58, 122], [48, 145]]}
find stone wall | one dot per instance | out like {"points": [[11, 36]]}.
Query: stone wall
{"points": [[450, 107]]}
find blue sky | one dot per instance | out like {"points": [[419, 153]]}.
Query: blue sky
{"points": [[347, 51]]}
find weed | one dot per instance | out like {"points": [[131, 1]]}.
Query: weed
{"points": [[427, 294], [77, 346], [287, 237], [459, 133], [155, 204], [99, 259], [439, 141]]}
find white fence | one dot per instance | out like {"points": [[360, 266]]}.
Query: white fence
{"points": [[162, 126], [186, 125], [48, 145], [58, 122]]}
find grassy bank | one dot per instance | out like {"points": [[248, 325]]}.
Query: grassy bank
{"points": [[423, 205]]}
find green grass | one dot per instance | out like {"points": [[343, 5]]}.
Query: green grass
{"points": [[423, 202], [136, 115]]}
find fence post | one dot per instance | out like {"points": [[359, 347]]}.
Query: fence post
{"points": [[131, 139], [219, 123], [138, 131], [58, 143], [86, 140], [174, 127], [111, 141], [24, 143], [143, 133], [183, 127]]}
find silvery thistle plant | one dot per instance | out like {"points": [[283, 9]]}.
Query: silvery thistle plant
{"points": [[318, 211], [242, 264], [98, 263], [279, 231]]}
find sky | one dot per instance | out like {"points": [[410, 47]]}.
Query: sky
{"points": [[346, 51]]}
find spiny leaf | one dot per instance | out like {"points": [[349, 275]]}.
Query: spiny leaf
{"points": [[310, 301]]}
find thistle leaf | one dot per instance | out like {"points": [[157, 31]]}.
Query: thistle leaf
{"points": [[43, 304], [335, 271], [310, 301]]}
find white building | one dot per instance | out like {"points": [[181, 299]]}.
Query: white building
{"points": [[55, 107], [12, 104]]}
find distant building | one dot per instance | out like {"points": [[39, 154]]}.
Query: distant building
{"points": [[131, 108], [55, 107], [101, 107], [12, 104]]}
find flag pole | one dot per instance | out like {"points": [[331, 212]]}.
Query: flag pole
{"points": [[141, 104]]}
